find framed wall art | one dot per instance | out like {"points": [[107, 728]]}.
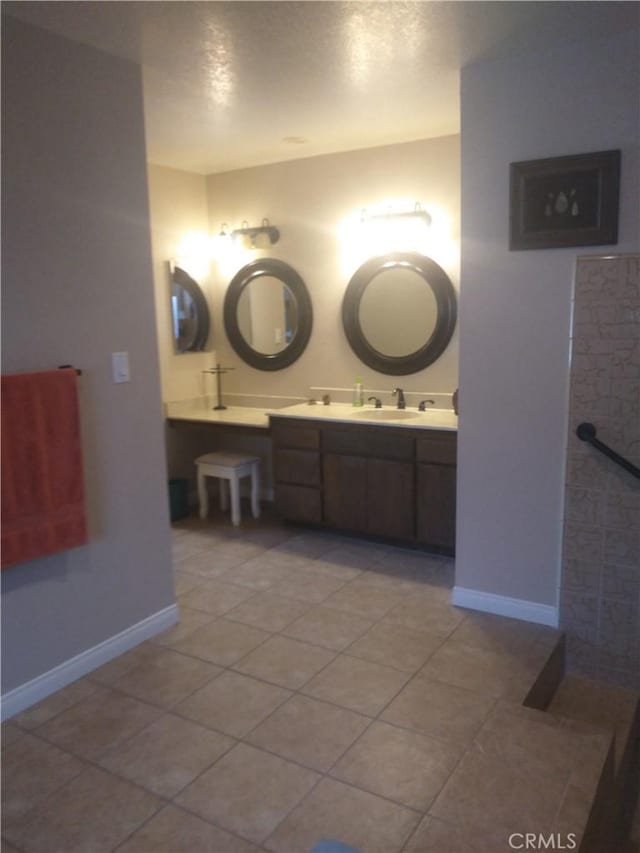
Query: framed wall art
{"points": [[565, 201]]}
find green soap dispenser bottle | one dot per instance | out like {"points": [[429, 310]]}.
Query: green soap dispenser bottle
{"points": [[358, 392]]}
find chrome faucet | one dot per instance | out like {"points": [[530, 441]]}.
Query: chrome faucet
{"points": [[400, 393]]}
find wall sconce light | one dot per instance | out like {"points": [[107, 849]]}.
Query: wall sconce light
{"points": [[259, 237], [416, 216]]}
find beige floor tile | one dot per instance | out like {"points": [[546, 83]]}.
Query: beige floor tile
{"points": [[189, 620], [268, 611], [396, 646], [184, 581], [392, 584], [356, 684], [175, 831], [215, 597], [334, 810], [258, 574], [308, 586], [324, 626], [212, 563], [248, 792], [496, 632], [311, 544], [55, 704], [222, 642], [400, 765], [110, 672], [496, 673], [285, 556], [233, 703], [309, 732], [10, 733], [364, 600], [184, 547], [429, 612], [436, 836], [288, 663], [520, 735], [439, 710], [98, 723], [167, 755], [492, 798], [167, 679], [325, 565], [31, 770], [94, 812]]}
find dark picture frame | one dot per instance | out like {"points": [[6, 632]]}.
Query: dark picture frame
{"points": [[565, 201]]}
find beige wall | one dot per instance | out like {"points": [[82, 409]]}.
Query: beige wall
{"points": [[308, 200], [179, 232], [77, 286]]}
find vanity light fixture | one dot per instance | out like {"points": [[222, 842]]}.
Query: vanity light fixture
{"points": [[258, 237], [417, 215]]}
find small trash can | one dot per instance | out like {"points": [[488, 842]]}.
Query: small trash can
{"points": [[178, 499]]}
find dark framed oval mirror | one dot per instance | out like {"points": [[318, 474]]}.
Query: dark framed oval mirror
{"points": [[189, 313], [267, 314], [399, 312]]}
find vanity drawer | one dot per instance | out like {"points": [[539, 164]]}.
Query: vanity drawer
{"points": [[296, 466], [299, 503], [382, 443], [300, 438], [440, 448]]}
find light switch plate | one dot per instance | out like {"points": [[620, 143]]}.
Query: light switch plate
{"points": [[120, 366]]}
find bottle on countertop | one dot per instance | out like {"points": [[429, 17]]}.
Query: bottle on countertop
{"points": [[358, 392]]}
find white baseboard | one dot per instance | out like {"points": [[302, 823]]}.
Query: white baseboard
{"points": [[39, 688], [502, 605]]}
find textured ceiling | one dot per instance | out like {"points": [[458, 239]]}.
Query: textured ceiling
{"points": [[235, 84]]}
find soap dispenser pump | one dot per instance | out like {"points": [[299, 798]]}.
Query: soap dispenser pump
{"points": [[358, 392]]}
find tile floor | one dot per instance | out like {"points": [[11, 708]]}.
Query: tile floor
{"points": [[316, 687]]}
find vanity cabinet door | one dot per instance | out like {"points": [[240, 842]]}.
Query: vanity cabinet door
{"points": [[299, 503], [436, 505], [345, 491], [374, 496], [390, 498]]}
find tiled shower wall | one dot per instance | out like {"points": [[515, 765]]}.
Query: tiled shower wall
{"points": [[600, 587]]}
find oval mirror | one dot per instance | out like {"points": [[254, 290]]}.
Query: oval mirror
{"points": [[189, 313], [267, 314], [399, 312]]}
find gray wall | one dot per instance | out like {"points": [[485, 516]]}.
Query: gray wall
{"points": [[515, 306], [77, 286]]}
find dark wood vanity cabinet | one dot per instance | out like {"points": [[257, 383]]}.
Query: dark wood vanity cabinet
{"points": [[383, 481], [436, 458], [368, 480], [297, 472]]}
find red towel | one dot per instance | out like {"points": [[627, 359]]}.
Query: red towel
{"points": [[43, 507]]}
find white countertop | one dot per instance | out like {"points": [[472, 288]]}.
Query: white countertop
{"points": [[444, 419], [202, 411]]}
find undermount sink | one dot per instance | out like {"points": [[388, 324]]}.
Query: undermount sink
{"points": [[384, 414]]}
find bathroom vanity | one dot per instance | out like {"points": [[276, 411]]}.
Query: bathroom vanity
{"points": [[393, 479]]}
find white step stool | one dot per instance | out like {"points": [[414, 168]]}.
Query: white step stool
{"points": [[230, 466]]}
